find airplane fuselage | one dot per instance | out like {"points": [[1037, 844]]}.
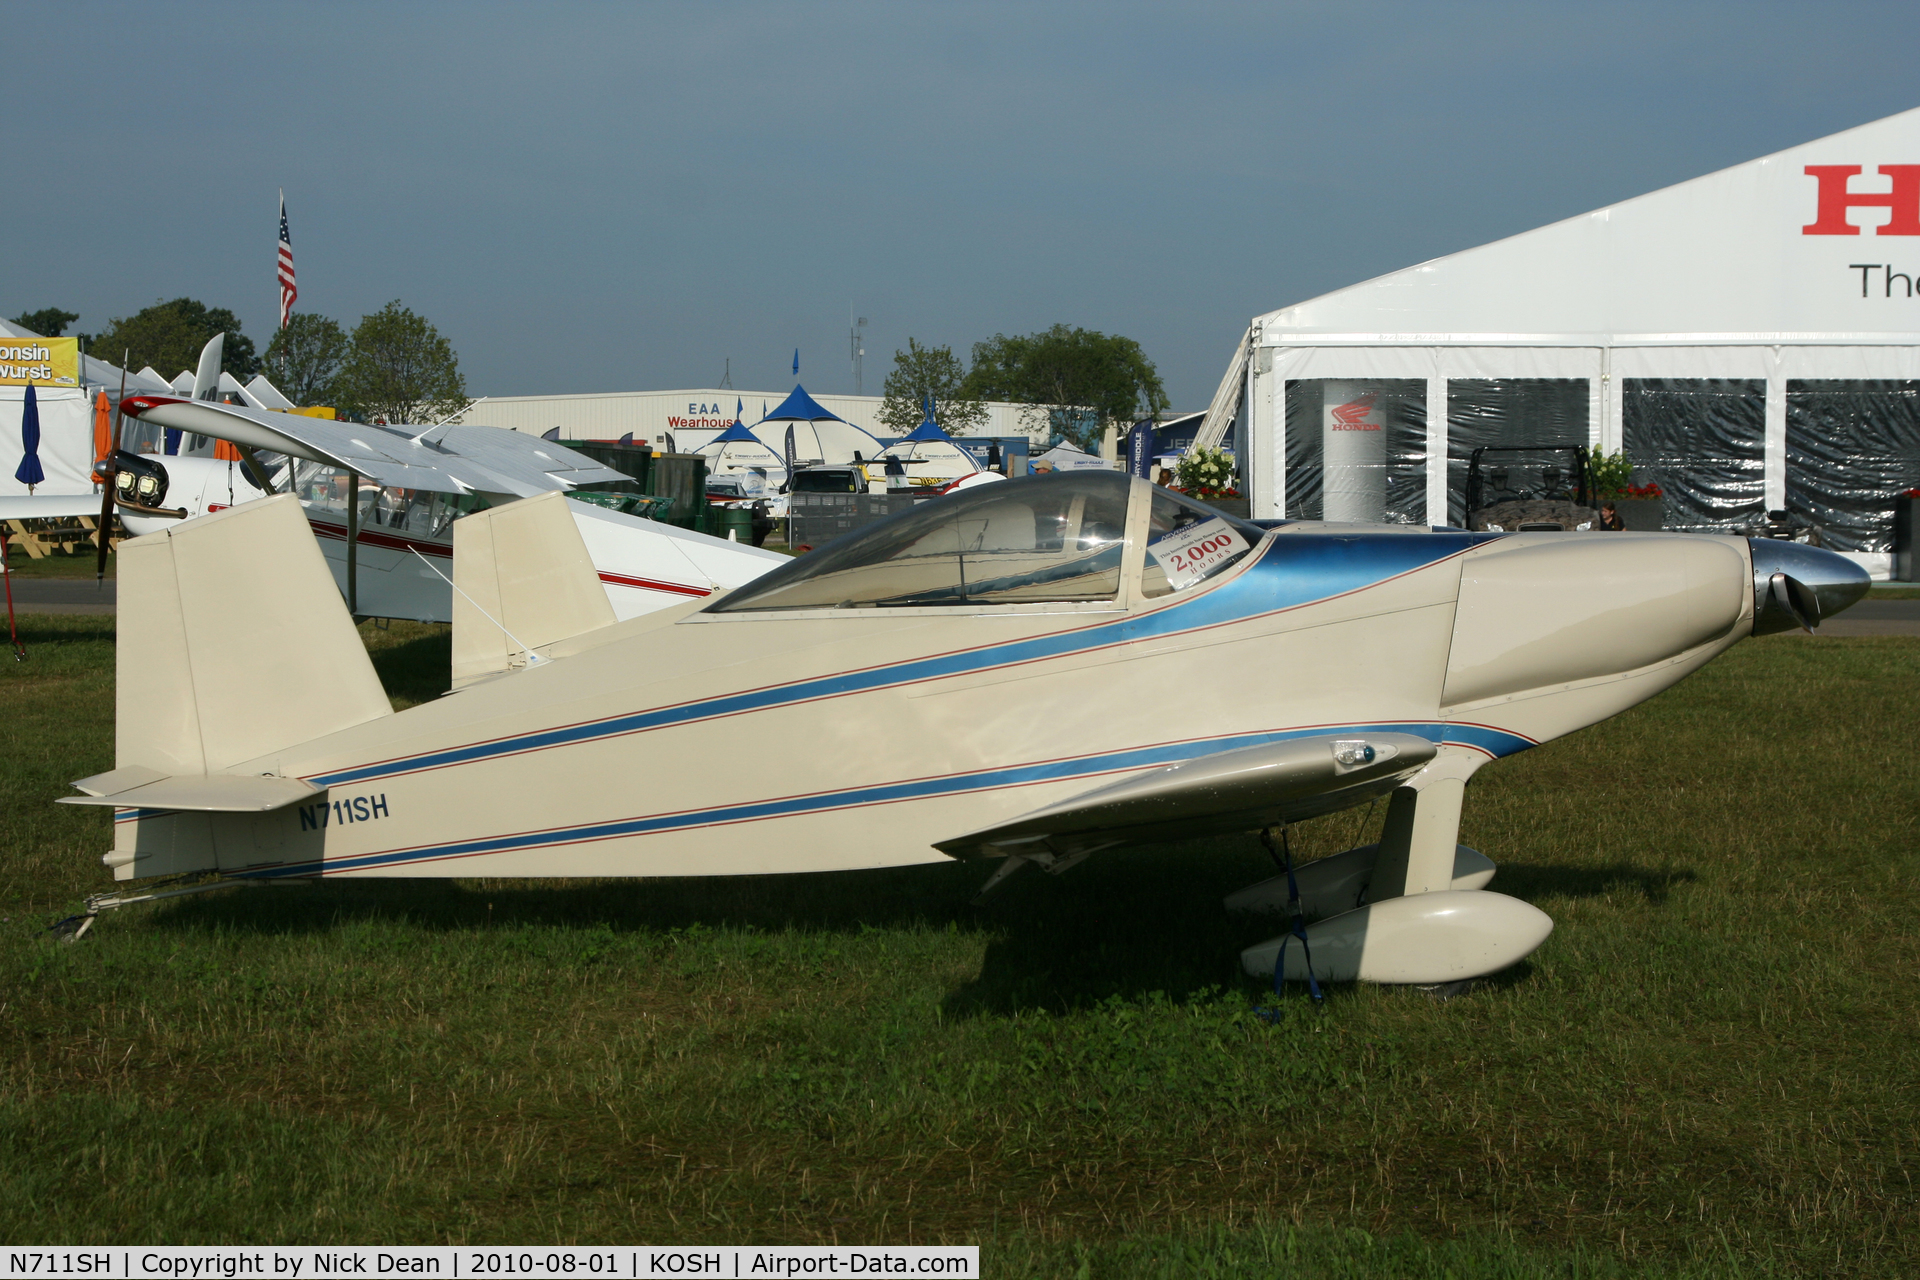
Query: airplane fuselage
{"points": [[708, 743]]}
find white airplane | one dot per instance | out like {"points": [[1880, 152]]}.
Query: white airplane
{"points": [[390, 548], [946, 684], [389, 545]]}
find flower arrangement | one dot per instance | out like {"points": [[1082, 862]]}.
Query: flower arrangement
{"points": [[1911, 493], [1611, 475], [1205, 473]]}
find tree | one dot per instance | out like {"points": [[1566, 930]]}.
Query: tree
{"points": [[920, 372], [1082, 380], [399, 369], [169, 335], [50, 322], [304, 359]]}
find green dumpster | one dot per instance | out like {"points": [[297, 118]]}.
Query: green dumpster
{"points": [[731, 522]]}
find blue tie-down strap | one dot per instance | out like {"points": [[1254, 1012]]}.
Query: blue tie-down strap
{"points": [[1297, 929]]}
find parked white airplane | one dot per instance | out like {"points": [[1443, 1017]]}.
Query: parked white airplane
{"points": [[390, 547], [948, 683], [389, 544]]}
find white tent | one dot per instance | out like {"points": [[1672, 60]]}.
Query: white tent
{"points": [[819, 437], [66, 440], [1751, 337], [738, 452], [931, 456], [264, 395], [66, 433]]}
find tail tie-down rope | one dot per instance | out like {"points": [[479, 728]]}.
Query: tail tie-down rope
{"points": [[1297, 924], [13, 629]]}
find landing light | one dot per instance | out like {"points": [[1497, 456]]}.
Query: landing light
{"points": [[1353, 753]]}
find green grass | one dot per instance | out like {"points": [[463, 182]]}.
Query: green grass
{"points": [[21, 565], [1709, 1068]]}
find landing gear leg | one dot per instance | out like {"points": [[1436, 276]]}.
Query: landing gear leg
{"points": [[1414, 927]]}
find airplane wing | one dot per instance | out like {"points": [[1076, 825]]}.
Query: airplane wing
{"points": [[534, 461], [49, 506], [1237, 790], [459, 460]]}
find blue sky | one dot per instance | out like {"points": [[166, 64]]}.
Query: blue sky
{"points": [[599, 197]]}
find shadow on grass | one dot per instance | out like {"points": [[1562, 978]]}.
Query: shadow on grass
{"points": [[1128, 924], [414, 661], [62, 629], [1534, 883]]}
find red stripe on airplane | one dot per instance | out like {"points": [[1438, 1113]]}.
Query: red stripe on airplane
{"points": [[393, 542], [648, 584]]}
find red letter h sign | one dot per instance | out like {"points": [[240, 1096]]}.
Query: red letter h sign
{"points": [[1835, 200]]}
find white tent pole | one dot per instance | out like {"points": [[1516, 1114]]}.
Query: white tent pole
{"points": [[1213, 427], [1436, 441]]}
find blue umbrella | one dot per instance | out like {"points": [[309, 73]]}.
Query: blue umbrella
{"points": [[29, 473]]}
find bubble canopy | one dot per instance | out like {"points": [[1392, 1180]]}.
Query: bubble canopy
{"points": [[1048, 539]]}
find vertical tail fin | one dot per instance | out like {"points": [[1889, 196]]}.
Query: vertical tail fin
{"points": [[523, 577], [234, 643]]}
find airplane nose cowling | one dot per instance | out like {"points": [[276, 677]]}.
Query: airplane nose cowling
{"points": [[1537, 614], [1797, 585]]}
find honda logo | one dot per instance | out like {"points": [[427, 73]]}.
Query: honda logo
{"points": [[1830, 217]]}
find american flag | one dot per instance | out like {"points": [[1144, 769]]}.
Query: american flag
{"points": [[287, 290]]}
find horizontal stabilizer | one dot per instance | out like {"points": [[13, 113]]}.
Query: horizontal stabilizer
{"points": [[137, 787], [1235, 790]]}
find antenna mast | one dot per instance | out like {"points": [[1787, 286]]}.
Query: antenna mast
{"points": [[855, 352]]}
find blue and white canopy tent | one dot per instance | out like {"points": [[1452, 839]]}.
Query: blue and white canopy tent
{"points": [[820, 438], [737, 451], [930, 455]]}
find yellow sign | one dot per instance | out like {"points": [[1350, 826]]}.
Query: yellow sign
{"points": [[43, 362]]}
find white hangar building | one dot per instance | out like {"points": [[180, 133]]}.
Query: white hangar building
{"points": [[695, 416], [1751, 338]]}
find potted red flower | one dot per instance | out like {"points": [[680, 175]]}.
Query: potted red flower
{"points": [[1906, 522], [1642, 506]]}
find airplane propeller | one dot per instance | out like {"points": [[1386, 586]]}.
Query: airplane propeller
{"points": [[108, 474], [1797, 598], [1795, 585]]}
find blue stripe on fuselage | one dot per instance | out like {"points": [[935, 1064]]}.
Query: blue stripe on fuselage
{"points": [[1494, 742], [1292, 570]]}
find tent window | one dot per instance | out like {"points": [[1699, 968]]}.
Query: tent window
{"points": [[1357, 449], [1852, 448], [1703, 441], [1509, 412], [1050, 538]]}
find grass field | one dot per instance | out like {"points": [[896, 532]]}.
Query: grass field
{"points": [[1710, 1068]]}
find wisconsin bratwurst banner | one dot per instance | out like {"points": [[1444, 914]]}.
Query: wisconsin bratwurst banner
{"points": [[42, 362]]}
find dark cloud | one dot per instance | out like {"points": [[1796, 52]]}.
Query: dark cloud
{"points": [[598, 197]]}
